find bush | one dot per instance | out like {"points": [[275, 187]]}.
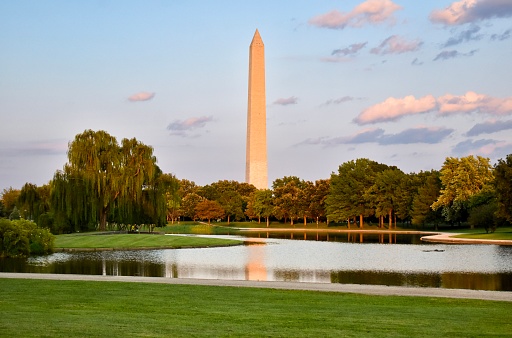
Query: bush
{"points": [[13, 240], [23, 238]]}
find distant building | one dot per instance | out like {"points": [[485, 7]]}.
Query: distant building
{"points": [[256, 171]]}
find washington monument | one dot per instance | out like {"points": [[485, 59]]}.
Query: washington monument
{"points": [[256, 151]]}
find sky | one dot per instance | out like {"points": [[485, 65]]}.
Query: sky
{"points": [[405, 83]]}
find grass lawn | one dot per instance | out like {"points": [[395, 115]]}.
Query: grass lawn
{"points": [[126, 241], [48, 308], [499, 234]]}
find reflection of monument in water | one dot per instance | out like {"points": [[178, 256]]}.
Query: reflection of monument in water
{"points": [[256, 148], [255, 268]]}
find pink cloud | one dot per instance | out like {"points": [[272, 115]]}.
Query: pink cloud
{"points": [[473, 102], [368, 12], [286, 101], [393, 109], [142, 96], [464, 11], [396, 45]]}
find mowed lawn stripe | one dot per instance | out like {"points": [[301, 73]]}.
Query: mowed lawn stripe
{"points": [[127, 241], [51, 308]]}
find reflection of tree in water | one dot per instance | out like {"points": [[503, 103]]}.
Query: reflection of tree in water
{"points": [[301, 275], [448, 280], [342, 237]]}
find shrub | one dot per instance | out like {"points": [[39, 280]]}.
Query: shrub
{"points": [[13, 240], [23, 238]]}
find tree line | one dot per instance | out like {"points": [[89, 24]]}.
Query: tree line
{"points": [[106, 183]]}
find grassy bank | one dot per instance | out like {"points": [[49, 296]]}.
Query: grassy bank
{"points": [[44, 308], [135, 241], [499, 234]]}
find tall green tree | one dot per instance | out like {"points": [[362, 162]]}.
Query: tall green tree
{"points": [[461, 178], [189, 204], [9, 199], [262, 204], [232, 203], [102, 175], [170, 186], [287, 202], [427, 193], [29, 201], [503, 187], [383, 194], [348, 195], [317, 197]]}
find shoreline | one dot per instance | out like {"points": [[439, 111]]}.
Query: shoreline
{"points": [[430, 236]]}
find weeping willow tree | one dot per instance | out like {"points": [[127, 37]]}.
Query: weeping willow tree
{"points": [[104, 180]]}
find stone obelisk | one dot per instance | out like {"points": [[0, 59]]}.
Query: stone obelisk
{"points": [[256, 149]]}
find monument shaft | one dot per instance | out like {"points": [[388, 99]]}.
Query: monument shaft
{"points": [[256, 151]]}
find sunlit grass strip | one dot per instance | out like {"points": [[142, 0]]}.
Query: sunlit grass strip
{"points": [[48, 308], [137, 241], [490, 236], [199, 228]]}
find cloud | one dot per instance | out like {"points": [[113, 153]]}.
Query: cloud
{"points": [[502, 37], [464, 36], [335, 59], [483, 147], [450, 54], [350, 50], [473, 102], [416, 62], [363, 136], [431, 135], [43, 148], [340, 100], [393, 109], [464, 11], [182, 127], [286, 101], [368, 12], [396, 45], [142, 96], [489, 127]]}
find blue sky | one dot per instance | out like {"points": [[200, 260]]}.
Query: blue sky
{"points": [[405, 83]]}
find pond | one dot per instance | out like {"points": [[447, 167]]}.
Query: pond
{"points": [[342, 259]]}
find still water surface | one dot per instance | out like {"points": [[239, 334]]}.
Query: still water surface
{"points": [[342, 259]]}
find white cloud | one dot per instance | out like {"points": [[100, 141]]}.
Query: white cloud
{"points": [[464, 11], [393, 109], [473, 102], [142, 96], [368, 12]]}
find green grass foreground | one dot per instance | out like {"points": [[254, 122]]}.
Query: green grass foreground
{"points": [[51, 308], [136, 241]]}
